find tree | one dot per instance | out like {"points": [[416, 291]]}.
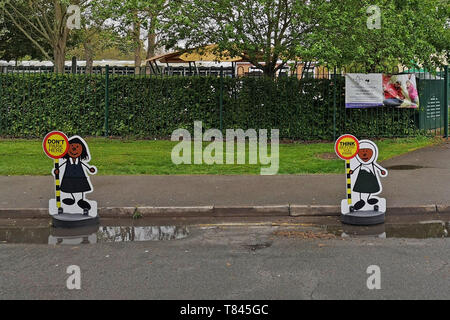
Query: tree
{"points": [[411, 33], [14, 45], [105, 44], [329, 31], [91, 34], [133, 17], [262, 31], [155, 10], [47, 20]]}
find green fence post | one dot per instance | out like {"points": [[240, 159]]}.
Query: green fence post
{"points": [[74, 65], [1, 95], [446, 85], [334, 105], [107, 101], [221, 99]]}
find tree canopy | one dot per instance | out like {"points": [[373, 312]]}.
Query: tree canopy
{"points": [[138, 20], [262, 31], [268, 33], [14, 45], [334, 31], [411, 33]]}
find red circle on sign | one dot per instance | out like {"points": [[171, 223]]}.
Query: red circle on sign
{"points": [[63, 136], [349, 136]]}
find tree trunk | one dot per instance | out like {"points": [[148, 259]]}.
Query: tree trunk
{"points": [[59, 56], [269, 70], [151, 49], [137, 45], [151, 40], [60, 43], [88, 55]]}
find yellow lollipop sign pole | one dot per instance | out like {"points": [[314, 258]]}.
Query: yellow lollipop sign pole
{"points": [[349, 182], [347, 147], [56, 145], [57, 185]]}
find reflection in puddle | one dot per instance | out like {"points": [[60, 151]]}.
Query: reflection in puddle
{"points": [[154, 233], [436, 229], [91, 235], [108, 234]]}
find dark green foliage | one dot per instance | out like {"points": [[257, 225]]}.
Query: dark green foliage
{"points": [[153, 107], [33, 104]]}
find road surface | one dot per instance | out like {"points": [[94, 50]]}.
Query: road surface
{"points": [[243, 261]]}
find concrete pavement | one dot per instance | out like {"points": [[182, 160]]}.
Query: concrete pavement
{"points": [[418, 182]]}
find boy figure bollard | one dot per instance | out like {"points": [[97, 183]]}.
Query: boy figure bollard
{"points": [[70, 208], [362, 206]]}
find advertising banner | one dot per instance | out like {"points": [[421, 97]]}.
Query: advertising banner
{"points": [[377, 90], [400, 91], [363, 90]]}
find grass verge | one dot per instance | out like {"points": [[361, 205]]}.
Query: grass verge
{"points": [[137, 157]]}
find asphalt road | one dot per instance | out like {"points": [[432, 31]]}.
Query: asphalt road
{"points": [[240, 262]]}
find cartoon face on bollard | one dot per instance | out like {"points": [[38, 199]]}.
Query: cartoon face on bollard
{"points": [[365, 154]]}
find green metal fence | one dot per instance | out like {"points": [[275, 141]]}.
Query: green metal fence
{"points": [[302, 107]]}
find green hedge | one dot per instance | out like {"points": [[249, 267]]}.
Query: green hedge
{"points": [[153, 106]]}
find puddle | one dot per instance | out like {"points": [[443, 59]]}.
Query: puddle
{"points": [[405, 167], [91, 235], [258, 246], [424, 230], [43, 234]]}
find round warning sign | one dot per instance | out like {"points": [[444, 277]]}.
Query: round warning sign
{"points": [[347, 147], [56, 144]]}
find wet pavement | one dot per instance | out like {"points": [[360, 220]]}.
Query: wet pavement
{"points": [[40, 231]]}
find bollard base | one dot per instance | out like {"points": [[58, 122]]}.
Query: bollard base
{"points": [[66, 220], [363, 218]]}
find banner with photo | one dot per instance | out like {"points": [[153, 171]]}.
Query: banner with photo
{"points": [[377, 90]]}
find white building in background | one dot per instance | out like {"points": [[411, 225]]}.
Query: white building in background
{"points": [[80, 63], [102, 63]]}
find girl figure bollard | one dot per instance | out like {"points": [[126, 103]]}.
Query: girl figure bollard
{"points": [[71, 208], [362, 206]]}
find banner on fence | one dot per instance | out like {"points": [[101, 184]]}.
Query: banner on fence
{"points": [[363, 90], [400, 91], [376, 90]]}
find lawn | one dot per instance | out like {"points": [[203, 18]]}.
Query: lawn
{"points": [[137, 157]]}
